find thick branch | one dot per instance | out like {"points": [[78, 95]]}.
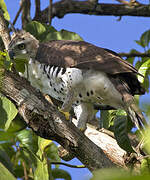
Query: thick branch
{"points": [[47, 122], [61, 8]]}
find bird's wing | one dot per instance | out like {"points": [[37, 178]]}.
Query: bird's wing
{"points": [[82, 55]]}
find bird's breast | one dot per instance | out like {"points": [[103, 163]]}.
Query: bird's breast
{"points": [[88, 85]]}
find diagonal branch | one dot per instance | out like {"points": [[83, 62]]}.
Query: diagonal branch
{"points": [[47, 122], [61, 8]]}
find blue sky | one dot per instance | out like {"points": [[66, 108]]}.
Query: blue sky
{"points": [[103, 31]]}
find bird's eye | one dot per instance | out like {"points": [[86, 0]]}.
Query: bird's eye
{"points": [[21, 46]]}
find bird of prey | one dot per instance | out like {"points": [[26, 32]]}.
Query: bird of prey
{"points": [[80, 75]]}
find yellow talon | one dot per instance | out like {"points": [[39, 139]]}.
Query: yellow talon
{"points": [[67, 114]]}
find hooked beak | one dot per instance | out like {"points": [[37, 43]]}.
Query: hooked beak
{"points": [[11, 54]]}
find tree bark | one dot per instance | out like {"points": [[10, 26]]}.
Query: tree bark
{"points": [[47, 122], [61, 8]]}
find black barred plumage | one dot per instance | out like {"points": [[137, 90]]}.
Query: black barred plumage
{"points": [[81, 75]]}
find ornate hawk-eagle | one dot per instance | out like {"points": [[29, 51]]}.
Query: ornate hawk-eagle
{"points": [[80, 75]]}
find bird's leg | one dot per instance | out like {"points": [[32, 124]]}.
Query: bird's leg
{"points": [[84, 112], [68, 101]]}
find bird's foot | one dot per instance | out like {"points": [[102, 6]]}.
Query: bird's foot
{"points": [[68, 101]]}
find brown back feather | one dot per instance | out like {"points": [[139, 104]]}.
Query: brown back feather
{"points": [[84, 55]]}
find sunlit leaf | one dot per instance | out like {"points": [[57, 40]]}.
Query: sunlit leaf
{"points": [[145, 166], [28, 139], [35, 28], [4, 8], [143, 69], [63, 35], [43, 143], [42, 170], [5, 174], [8, 112], [117, 174], [106, 118], [147, 140]]}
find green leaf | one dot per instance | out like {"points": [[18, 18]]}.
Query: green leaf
{"points": [[145, 38], [147, 140], [17, 124], [28, 139], [145, 166], [8, 112], [52, 153], [36, 29], [143, 69], [106, 118], [6, 136], [63, 35], [4, 8], [5, 174], [140, 43], [117, 174], [20, 64], [42, 170], [8, 148], [19, 171], [5, 160], [120, 131], [60, 174]]}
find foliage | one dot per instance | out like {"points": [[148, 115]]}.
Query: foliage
{"points": [[117, 174]]}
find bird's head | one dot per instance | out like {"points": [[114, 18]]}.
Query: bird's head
{"points": [[23, 45]]}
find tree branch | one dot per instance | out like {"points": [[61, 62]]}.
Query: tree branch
{"points": [[25, 12], [134, 54], [4, 32], [37, 8], [61, 8], [47, 122]]}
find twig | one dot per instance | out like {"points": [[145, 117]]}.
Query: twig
{"points": [[123, 2], [25, 171], [131, 3], [69, 165], [93, 1], [134, 54], [26, 12], [37, 8], [4, 32], [50, 12], [18, 13]]}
